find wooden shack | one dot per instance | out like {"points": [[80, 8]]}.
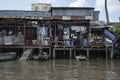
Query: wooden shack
{"points": [[62, 28]]}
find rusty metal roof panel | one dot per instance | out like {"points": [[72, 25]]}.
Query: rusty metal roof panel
{"points": [[20, 13]]}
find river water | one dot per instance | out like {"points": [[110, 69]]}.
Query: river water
{"points": [[60, 70]]}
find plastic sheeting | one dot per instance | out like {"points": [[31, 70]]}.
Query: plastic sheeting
{"points": [[110, 35]]}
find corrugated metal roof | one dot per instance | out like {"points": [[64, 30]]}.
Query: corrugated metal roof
{"points": [[72, 11], [72, 8], [20, 13]]}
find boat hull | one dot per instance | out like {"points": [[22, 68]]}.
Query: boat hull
{"points": [[7, 56]]}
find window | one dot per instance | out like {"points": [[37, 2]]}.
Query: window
{"points": [[36, 8]]}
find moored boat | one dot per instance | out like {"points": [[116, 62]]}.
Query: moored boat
{"points": [[8, 56]]}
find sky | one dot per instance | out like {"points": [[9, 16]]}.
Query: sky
{"points": [[113, 6]]}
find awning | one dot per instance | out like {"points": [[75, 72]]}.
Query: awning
{"points": [[98, 27]]}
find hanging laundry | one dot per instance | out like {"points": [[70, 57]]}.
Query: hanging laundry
{"points": [[85, 41], [46, 31]]}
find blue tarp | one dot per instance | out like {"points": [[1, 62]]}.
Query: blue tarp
{"points": [[110, 35], [85, 42]]}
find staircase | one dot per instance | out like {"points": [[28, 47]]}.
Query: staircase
{"points": [[26, 54]]}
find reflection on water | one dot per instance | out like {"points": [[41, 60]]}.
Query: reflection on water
{"points": [[60, 70]]}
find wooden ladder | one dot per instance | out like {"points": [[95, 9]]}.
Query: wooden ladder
{"points": [[26, 54]]}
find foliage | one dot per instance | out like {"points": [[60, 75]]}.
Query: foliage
{"points": [[116, 29]]}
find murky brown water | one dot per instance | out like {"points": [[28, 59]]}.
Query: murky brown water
{"points": [[60, 70]]}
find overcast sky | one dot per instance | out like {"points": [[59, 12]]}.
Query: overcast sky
{"points": [[113, 5]]}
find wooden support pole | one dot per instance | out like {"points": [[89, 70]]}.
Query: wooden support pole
{"points": [[87, 53], [53, 53], [49, 52], [70, 53], [111, 54], [106, 53], [74, 53]]}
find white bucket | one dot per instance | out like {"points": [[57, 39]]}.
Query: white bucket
{"points": [[34, 42]]}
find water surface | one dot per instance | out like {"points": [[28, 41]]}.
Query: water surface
{"points": [[60, 70]]}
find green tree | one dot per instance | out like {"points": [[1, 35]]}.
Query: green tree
{"points": [[116, 29]]}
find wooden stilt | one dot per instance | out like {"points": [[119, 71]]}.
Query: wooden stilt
{"points": [[106, 53], [53, 53], [87, 53], [70, 53]]}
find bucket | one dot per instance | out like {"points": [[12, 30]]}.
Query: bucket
{"points": [[34, 42]]}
